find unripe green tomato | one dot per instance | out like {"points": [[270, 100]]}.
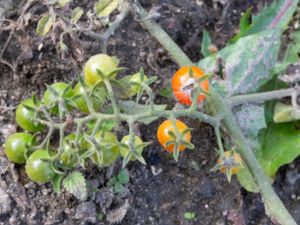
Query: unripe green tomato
{"points": [[24, 117], [136, 78], [15, 147], [37, 169], [102, 62], [81, 103], [59, 87], [137, 141], [110, 154]]}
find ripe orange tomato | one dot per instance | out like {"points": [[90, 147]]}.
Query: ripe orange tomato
{"points": [[230, 161], [182, 84], [163, 135]]}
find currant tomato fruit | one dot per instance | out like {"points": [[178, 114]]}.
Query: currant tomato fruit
{"points": [[230, 162], [137, 141], [110, 153], [101, 62], [50, 98], [182, 84], [81, 103], [24, 117], [15, 146], [38, 168], [136, 80], [163, 134]]}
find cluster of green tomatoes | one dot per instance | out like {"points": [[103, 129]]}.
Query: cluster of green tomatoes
{"points": [[95, 142], [42, 161]]}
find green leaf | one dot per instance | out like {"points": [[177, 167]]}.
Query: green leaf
{"points": [[190, 215], [75, 184], [123, 177], [104, 8], [62, 3], [118, 188], [206, 42], [280, 146], [76, 14], [248, 62], [45, 24], [112, 182], [244, 25], [132, 108], [56, 183], [245, 179]]}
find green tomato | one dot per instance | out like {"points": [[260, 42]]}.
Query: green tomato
{"points": [[59, 87], [81, 103], [102, 62], [15, 147], [38, 169], [24, 117], [137, 141], [110, 154], [136, 78], [67, 157]]}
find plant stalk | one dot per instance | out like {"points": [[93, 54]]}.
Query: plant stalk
{"points": [[274, 206]]}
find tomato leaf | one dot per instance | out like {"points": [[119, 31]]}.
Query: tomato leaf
{"points": [[280, 146], [56, 183], [206, 42], [45, 24], [131, 107], [244, 25], [104, 8], [248, 62], [76, 14], [75, 184], [123, 177]]}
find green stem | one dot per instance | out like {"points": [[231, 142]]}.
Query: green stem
{"points": [[261, 97], [274, 206], [111, 96]]}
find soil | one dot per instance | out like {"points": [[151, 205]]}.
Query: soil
{"points": [[161, 192]]}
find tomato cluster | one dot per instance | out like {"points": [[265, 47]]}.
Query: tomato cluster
{"points": [[59, 101]]}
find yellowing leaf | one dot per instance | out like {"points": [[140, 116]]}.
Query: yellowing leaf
{"points": [[76, 14], [104, 8], [62, 3], [45, 24], [285, 113]]}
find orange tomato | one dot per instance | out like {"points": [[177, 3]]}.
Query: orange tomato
{"points": [[182, 84], [163, 135], [230, 161]]}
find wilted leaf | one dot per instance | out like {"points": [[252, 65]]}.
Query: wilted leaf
{"points": [[75, 184], [131, 107], [206, 42], [62, 3], [104, 8], [285, 113], [76, 14], [45, 24]]}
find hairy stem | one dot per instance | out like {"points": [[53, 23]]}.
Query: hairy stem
{"points": [[274, 206], [261, 97]]}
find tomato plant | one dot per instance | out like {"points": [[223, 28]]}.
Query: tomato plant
{"points": [[183, 84], [16, 145], [25, 116], [38, 166], [166, 135]]}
